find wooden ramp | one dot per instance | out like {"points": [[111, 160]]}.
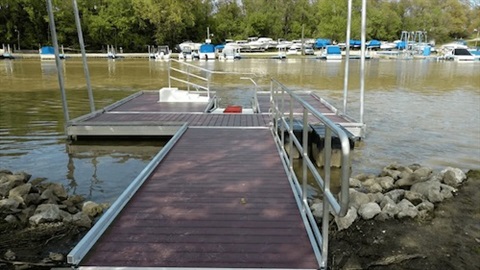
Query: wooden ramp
{"points": [[220, 198]]}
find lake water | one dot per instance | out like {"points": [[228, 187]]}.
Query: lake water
{"points": [[416, 111]]}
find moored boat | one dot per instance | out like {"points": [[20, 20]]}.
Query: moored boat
{"points": [[331, 53]]}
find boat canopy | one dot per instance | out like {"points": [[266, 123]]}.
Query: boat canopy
{"points": [[333, 50], [322, 43], [374, 43], [207, 48], [47, 50]]}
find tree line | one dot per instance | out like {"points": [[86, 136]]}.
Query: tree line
{"points": [[135, 24]]}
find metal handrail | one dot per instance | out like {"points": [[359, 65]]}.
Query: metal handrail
{"points": [[283, 120], [203, 80]]}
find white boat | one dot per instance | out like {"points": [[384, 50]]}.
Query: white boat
{"points": [[294, 51], [191, 45], [163, 53], [260, 44], [188, 54], [447, 48], [230, 51], [460, 55], [331, 53], [48, 53], [282, 51], [207, 51]]}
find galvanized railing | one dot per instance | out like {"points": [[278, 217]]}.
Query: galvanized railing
{"points": [[283, 101], [189, 75]]}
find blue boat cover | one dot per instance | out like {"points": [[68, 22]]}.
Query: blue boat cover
{"points": [[333, 50], [207, 48], [47, 50], [322, 43]]}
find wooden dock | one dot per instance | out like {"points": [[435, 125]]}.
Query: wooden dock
{"points": [[219, 197]]}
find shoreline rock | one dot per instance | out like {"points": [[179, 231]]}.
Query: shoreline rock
{"points": [[41, 209], [397, 192]]}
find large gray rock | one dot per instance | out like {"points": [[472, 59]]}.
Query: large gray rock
{"points": [[58, 190], [9, 205], [46, 213], [389, 210], [396, 195], [92, 209], [453, 176], [358, 198], [82, 220], [422, 173], [392, 173], [48, 195], [386, 182], [9, 181], [434, 191], [407, 209], [369, 210], [20, 191], [347, 220], [414, 197], [425, 206]]}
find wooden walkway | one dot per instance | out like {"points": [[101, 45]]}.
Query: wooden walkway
{"points": [[229, 204], [220, 198]]}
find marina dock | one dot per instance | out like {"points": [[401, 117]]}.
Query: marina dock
{"points": [[221, 193]]}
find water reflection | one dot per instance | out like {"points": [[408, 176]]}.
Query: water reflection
{"points": [[111, 67], [105, 168], [49, 69], [6, 66]]}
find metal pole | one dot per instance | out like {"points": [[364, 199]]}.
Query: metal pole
{"points": [[347, 57], [362, 59], [57, 61], [84, 55]]}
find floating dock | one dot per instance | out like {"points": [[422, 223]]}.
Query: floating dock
{"points": [[221, 193]]}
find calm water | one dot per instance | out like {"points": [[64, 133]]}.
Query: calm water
{"points": [[416, 111]]}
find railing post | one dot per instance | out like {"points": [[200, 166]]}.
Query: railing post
{"points": [[84, 55], [304, 157], [290, 133], [347, 58], [57, 61], [169, 79]]}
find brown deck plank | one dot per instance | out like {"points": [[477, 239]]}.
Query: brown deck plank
{"points": [[193, 212]]}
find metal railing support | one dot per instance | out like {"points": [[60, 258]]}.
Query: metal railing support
{"points": [[84, 56], [61, 81], [347, 57], [362, 58]]}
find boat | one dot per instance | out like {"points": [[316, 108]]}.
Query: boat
{"points": [[229, 51], [47, 53], [321, 43], [111, 52], [282, 51], [294, 50], [188, 54], [331, 53], [6, 52], [460, 55], [163, 53], [188, 44], [207, 51]]}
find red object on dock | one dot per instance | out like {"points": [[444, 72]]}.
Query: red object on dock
{"points": [[233, 109]]}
